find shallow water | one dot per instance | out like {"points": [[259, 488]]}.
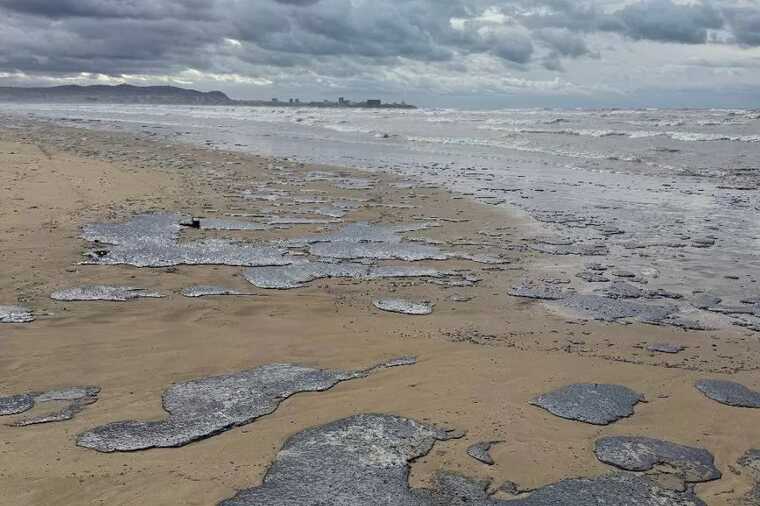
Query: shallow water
{"points": [[656, 187]]}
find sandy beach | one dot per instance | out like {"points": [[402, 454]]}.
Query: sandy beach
{"points": [[481, 356]]}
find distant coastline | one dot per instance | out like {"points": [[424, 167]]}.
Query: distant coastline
{"points": [[367, 104], [167, 95]]}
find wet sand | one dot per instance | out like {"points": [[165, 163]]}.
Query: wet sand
{"points": [[479, 362]]}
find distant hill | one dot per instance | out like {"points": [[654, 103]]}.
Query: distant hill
{"points": [[121, 94]]}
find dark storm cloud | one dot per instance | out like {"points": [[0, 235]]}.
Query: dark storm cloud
{"points": [[657, 20], [110, 45], [335, 27], [745, 24], [165, 36], [563, 41], [662, 20], [136, 9], [297, 2], [517, 48]]}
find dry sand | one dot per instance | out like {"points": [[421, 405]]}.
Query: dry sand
{"points": [[479, 362]]}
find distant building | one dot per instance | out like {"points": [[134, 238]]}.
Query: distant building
{"points": [[275, 100], [342, 101], [374, 103]]}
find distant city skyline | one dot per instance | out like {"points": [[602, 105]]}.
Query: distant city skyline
{"points": [[433, 53]]}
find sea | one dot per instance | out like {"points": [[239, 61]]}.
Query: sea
{"points": [[669, 195]]}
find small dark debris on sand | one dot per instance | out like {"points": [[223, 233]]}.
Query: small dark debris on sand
{"points": [[751, 461], [692, 465], [210, 290], [597, 404], [104, 293], [152, 240], [15, 314], [403, 306], [534, 289], [480, 451], [729, 393], [77, 397], [364, 459], [665, 348], [610, 309], [204, 407]]}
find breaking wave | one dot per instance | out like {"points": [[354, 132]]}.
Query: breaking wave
{"points": [[635, 134]]}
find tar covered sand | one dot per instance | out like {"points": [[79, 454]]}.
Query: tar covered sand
{"points": [[183, 325]]}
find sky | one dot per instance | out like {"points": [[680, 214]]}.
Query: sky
{"points": [[436, 53]]}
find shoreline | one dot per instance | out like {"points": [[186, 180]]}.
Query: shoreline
{"points": [[137, 349], [516, 236], [682, 241]]}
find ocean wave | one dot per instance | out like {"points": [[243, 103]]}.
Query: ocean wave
{"points": [[658, 123], [698, 137], [567, 131], [637, 134], [695, 136], [461, 141], [507, 123], [517, 145], [347, 129], [556, 121]]}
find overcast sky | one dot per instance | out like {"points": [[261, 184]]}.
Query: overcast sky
{"points": [[469, 53]]}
